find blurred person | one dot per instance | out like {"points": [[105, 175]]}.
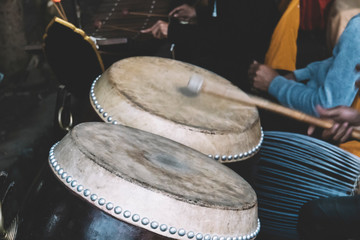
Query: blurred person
{"points": [[221, 36], [328, 83], [184, 14]]}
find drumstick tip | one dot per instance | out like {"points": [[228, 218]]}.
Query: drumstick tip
{"points": [[195, 83], [125, 11]]}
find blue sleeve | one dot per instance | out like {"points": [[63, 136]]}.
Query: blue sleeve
{"points": [[308, 72], [333, 87]]}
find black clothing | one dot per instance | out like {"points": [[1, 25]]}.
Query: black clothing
{"points": [[330, 218], [228, 43]]}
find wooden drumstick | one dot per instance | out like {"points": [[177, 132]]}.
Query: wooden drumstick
{"points": [[148, 14], [126, 11], [63, 11], [60, 9], [197, 85], [115, 27]]}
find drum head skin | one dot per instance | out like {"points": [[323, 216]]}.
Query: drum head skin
{"points": [[154, 183], [151, 94]]}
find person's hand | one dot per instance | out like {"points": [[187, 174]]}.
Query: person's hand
{"points": [[357, 68], [261, 75], [159, 30], [345, 119], [184, 13], [357, 83]]}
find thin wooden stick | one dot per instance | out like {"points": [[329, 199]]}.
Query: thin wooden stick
{"points": [[63, 11], [147, 14], [59, 11], [233, 94], [119, 28], [172, 50]]}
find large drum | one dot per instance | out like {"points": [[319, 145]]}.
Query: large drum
{"points": [[114, 182], [151, 94], [294, 169]]}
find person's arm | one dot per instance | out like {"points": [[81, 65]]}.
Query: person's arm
{"points": [[185, 13], [334, 85], [159, 30], [345, 119], [264, 78], [338, 89], [308, 72], [174, 30], [261, 76]]}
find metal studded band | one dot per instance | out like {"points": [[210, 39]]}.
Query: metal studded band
{"points": [[218, 157], [229, 158], [98, 107], [134, 217]]}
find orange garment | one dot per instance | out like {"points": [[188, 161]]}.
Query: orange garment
{"points": [[283, 49], [353, 146]]}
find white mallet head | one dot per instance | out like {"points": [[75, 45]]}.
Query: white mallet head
{"points": [[195, 83]]}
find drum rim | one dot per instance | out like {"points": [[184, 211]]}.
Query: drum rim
{"points": [[238, 151], [127, 216], [135, 219]]}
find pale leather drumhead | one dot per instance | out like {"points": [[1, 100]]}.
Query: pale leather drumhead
{"points": [[154, 183], [151, 94]]}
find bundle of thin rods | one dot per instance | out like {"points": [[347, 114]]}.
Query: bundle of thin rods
{"points": [[294, 169]]}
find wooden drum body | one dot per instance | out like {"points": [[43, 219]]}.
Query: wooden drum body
{"points": [[151, 94], [115, 182], [53, 213]]}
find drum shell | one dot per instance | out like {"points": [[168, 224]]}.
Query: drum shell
{"points": [[167, 189], [52, 212], [170, 176], [231, 132]]}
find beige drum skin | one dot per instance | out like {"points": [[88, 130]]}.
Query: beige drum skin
{"points": [[150, 93], [155, 183]]}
